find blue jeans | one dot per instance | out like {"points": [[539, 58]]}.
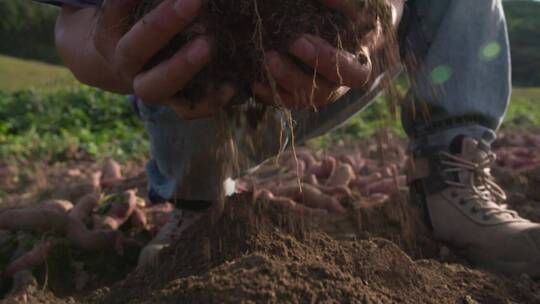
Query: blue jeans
{"points": [[460, 85]]}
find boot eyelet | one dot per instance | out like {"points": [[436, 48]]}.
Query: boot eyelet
{"points": [[486, 218], [453, 194], [474, 210], [462, 202]]}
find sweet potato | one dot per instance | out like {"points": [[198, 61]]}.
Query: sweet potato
{"points": [[341, 177], [386, 186], [271, 198], [310, 196], [120, 211], [39, 220], [111, 173], [361, 182], [138, 219], [356, 160], [31, 259], [61, 206], [83, 208]]}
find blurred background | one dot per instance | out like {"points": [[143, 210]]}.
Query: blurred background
{"points": [[46, 115]]}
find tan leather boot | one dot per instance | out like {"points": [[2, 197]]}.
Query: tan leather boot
{"points": [[465, 208]]}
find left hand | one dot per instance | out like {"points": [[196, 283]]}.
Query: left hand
{"points": [[337, 71]]}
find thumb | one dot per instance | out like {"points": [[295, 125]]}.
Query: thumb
{"points": [[112, 23]]}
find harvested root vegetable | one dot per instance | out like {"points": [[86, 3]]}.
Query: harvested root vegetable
{"points": [[138, 219], [38, 220], [363, 181], [280, 201], [243, 30], [84, 207], [61, 206], [160, 208], [325, 168], [31, 259], [386, 186], [310, 196], [111, 174], [120, 211], [337, 191], [341, 177], [517, 158], [288, 203]]}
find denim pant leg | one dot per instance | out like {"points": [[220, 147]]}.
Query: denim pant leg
{"points": [[179, 168], [190, 159], [462, 82], [173, 143]]}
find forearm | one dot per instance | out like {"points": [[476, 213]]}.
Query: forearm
{"points": [[76, 49]]}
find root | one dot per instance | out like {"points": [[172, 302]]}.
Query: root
{"points": [[84, 207], [40, 221], [31, 259], [111, 174], [119, 213], [342, 176], [61, 206], [138, 219], [386, 186]]}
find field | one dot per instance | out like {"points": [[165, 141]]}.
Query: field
{"points": [[17, 74], [57, 142]]}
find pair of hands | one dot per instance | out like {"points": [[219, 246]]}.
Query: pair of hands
{"points": [[116, 55]]}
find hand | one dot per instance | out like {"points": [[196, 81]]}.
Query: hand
{"points": [[336, 70], [125, 51]]}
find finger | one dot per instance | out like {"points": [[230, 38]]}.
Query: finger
{"points": [[278, 97], [207, 107], [153, 32], [316, 90], [169, 77], [337, 66], [112, 23]]}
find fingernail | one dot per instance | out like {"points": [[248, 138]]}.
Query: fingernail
{"points": [[198, 51], [304, 48], [187, 7]]}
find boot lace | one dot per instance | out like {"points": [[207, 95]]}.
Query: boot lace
{"points": [[480, 187]]}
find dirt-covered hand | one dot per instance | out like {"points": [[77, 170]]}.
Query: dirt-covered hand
{"points": [[125, 51], [335, 70]]}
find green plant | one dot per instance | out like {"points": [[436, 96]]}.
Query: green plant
{"points": [[68, 123]]}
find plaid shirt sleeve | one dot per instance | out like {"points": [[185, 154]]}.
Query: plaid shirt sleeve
{"points": [[78, 3]]}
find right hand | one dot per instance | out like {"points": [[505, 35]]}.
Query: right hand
{"points": [[125, 50]]}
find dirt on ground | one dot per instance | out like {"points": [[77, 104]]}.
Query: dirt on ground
{"points": [[378, 251]]}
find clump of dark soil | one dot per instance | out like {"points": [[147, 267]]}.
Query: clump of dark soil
{"points": [[243, 30]]}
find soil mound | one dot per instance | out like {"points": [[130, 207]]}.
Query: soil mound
{"points": [[257, 253]]}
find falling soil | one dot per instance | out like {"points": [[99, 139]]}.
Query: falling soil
{"points": [[243, 30]]}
